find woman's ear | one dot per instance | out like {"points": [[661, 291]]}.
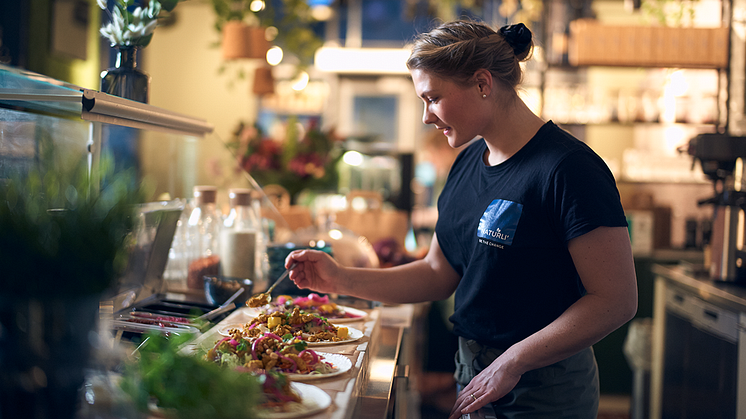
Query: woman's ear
{"points": [[483, 80]]}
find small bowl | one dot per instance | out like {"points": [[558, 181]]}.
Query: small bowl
{"points": [[219, 288]]}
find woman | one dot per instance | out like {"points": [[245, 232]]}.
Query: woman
{"points": [[531, 236]]}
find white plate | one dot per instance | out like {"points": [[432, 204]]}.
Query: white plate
{"points": [[223, 330], [312, 400], [360, 313], [255, 311], [353, 335], [340, 363]]}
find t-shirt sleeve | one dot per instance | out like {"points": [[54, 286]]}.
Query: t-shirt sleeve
{"points": [[585, 196]]}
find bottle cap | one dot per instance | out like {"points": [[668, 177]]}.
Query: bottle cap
{"points": [[204, 194], [239, 197]]}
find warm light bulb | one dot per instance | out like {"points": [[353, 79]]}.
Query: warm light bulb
{"points": [[300, 82], [322, 13], [274, 55], [256, 6], [352, 158]]}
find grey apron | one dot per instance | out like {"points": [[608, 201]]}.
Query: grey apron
{"points": [[567, 389]]}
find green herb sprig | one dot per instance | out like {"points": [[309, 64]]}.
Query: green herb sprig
{"points": [[64, 234], [187, 385]]}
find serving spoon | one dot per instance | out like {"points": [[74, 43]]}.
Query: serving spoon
{"points": [[263, 298]]}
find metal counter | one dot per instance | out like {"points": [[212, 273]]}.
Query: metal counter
{"points": [[697, 339], [725, 294]]}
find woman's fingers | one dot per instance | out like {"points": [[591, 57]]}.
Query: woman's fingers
{"points": [[467, 402]]}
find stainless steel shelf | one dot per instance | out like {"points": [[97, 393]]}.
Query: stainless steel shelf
{"points": [[34, 92]]}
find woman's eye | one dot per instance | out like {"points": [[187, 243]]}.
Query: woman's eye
{"points": [[432, 99]]}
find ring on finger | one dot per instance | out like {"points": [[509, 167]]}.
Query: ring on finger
{"points": [[473, 397]]}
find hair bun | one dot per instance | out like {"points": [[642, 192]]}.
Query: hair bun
{"points": [[518, 37]]}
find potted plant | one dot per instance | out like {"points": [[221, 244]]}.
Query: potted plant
{"points": [[293, 28], [63, 242]]}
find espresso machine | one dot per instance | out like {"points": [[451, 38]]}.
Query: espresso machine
{"points": [[721, 157]]}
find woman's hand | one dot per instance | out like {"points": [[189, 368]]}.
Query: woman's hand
{"points": [[488, 386], [315, 270]]}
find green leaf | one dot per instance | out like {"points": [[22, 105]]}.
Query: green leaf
{"points": [[144, 41], [301, 345], [169, 5], [188, 385]]}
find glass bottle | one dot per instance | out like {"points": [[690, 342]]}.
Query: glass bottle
{"points": [[242, 241], [176, 270], [203, 237]]}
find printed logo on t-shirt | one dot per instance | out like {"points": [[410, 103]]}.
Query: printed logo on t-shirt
{"points": [[499, 222]]}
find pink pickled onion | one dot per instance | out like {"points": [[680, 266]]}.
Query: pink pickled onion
{"points": [[253, 346], [314, 356], [281, 396], [284, 358], [221, 341]]}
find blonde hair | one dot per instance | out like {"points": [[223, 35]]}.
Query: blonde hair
{"points": [[456, 50]]}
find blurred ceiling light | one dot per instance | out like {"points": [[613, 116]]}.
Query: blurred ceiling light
{"points": [[335, 234], [362, 60], [274, 55], [300, 82], [322, 13], [256, 6], [353, 158]]}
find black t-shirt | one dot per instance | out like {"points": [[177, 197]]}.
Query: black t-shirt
{"points": [[505, 229]]}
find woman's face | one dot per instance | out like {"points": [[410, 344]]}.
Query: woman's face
{"points": [[459, 112]]}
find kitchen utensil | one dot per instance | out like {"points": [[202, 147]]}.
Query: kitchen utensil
{"points": [[263, 298], [217, 311], [227, 305]]}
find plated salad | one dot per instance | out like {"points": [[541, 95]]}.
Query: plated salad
{"points": [[308, 327], [268, 352], [313, 303], [279, 395]]}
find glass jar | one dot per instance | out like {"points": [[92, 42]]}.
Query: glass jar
{"points": [[203, 232], [242, 241]]}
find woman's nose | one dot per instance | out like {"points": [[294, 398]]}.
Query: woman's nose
{"points": [[428, 117]]}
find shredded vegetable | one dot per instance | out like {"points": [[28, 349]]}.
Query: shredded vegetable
{"points": [[313, 303], [268, 352]]}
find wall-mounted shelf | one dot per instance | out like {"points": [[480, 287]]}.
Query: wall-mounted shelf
{"points": [[20, 89]]}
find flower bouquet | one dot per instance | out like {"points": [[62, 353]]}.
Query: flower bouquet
{"points": [[301, 158], [132, 25]]}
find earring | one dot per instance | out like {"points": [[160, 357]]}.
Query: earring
{"points": [[484, 96]]}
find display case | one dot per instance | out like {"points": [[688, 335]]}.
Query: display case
{"points": [[82, 123]]}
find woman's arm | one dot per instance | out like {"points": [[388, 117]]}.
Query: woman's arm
{"points": [[428, 279], [603, 259]]}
